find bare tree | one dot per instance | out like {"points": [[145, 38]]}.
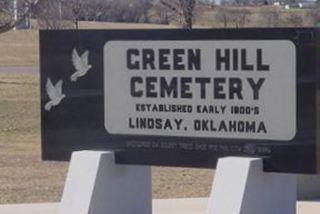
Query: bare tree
{"points": [[314, 16], [232, 16], [129, 11], [271, 16], [85, 10], [294, 20], [75, 7], [160, 15], [96, 10], [183, 9], [12, 17], [50, 15], [221, 16], [59, 14], [240, 17]]}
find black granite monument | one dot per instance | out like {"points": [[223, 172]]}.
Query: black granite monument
{"points": [[183, 98]]}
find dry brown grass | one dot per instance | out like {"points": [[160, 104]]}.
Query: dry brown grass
{"points": [[19, 48], [181, 182], [23, 176], [255, 17], [111, 25]]}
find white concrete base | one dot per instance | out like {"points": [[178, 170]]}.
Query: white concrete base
{"points": [[241, 187], [96, 185], [160, 206]]}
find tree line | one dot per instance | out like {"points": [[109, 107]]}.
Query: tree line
{"points": [[61, 14], [57, 14]]}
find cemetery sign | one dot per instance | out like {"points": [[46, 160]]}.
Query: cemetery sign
{"points": [[218, 89], [182, 98]]}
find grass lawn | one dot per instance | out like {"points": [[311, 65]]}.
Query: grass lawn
{"points": [[23, 176], [18, 48]]}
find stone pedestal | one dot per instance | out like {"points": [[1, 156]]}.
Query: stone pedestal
{"points": [[96, 185], [241, 187]]}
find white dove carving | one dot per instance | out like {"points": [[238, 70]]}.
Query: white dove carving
{"points": [[54, 93], [80, 64]]}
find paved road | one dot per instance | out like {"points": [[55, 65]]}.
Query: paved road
{"points": [[29, 69]]}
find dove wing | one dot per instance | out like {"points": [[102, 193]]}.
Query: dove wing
{"points": [[58, 87], [84, 57], [51, 91], [76, 60]]}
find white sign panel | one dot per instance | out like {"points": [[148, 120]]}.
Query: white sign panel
{"points": [[212, 89]]}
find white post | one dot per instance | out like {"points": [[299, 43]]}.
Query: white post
{"points": [[60, 9], [241, 187], [96, 185], [15, 12]]}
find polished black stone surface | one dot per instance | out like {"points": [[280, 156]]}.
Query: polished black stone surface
{"points": [[78, 123]]}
